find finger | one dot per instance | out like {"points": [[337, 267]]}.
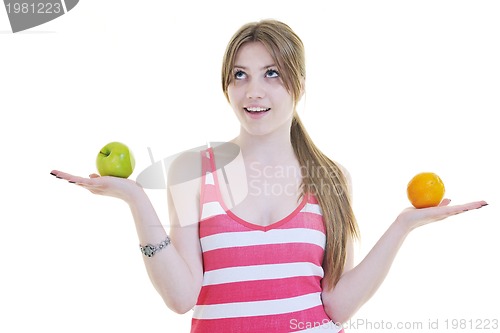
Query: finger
{"points": [[62, 175], [86, 182], [94, 175], [56, 173], [445, 202], [468, 206]]}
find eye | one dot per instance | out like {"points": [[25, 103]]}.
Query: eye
{"points": [[239, 75], [272, 73]]}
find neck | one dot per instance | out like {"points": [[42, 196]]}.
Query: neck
{"points": [[269, 148]]}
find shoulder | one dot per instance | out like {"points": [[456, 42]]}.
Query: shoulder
{"points": [[347, 176], [345, 172], [348, 179], [225, 153], [186, 166]]}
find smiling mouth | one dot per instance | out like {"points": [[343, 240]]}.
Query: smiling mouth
{"points": [[256, 110]]}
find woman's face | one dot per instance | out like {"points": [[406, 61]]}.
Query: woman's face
{"points": [[257, 94]]}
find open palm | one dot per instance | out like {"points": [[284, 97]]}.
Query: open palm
{"points": [[414, 218], [121, 188]]}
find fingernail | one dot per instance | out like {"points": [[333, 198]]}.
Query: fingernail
{"points": [[58, 177], [71, 182], [53, 174]]}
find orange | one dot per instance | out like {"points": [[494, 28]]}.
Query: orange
{"points": [[426, 189]]}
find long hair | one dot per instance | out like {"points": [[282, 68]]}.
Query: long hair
{"points": [[320, 175]]}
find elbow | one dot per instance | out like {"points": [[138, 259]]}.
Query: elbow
{"points": [[340, 310], [337, 315], [179, 301], [340, 320], [180, 307]]}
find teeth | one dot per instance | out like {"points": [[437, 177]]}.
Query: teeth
{"points": [[257, 109]]}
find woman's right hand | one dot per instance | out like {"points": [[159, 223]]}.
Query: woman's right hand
{"points": [[121, 188]]}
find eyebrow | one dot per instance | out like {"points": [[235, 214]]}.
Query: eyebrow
{"points": [[265, 67]]}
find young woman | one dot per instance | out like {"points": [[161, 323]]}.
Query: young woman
{"points": [[279, 259]]}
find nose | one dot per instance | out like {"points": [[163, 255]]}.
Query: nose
{"points": [[255, 89]]}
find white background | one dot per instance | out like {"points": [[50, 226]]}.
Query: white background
{"points": [[393, 88]]}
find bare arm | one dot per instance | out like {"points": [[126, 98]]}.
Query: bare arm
{"points": [[359, 284], [176, 271]]}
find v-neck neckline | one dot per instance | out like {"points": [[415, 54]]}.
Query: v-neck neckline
{"points": [[236, 218]]}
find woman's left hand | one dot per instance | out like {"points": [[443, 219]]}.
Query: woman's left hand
{"points": [[414, 218]]}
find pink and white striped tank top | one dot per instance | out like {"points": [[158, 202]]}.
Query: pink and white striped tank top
{"points": [[259, 279]]}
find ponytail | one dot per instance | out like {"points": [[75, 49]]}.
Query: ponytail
{"points": [[325, 180]]}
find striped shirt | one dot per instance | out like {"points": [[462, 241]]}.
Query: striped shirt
{"points": [[256, 278]]}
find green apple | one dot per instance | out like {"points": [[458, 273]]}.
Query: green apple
{"points": [[115, 159]]}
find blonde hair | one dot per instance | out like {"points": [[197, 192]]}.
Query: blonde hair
{"points": [[320, 175]]}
